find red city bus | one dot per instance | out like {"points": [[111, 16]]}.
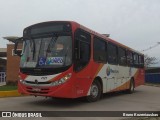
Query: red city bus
{"points": [[64, 59]]}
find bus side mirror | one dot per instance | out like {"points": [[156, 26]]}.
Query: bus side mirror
{"points": [[16, 50]]}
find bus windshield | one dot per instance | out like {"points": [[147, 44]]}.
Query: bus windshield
{"points": [[48, 52]]}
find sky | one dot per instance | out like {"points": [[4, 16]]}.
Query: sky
{"points": [[135, 23]]}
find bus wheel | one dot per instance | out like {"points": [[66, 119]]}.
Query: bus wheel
{"points": [[95, 92], [131, 88]]}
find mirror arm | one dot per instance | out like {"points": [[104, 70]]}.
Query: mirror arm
{"points": [[16, 45]]}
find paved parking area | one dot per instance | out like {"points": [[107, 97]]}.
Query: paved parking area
{"points": [[145, 98]]}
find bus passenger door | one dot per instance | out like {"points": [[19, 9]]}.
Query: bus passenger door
{"points": [[82, 64]]}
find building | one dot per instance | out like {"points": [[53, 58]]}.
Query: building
{"points": [[152, 75], [3, 63], [3, 55], [13, 61], [12, 65]]}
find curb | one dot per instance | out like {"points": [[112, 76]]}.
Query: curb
{"points": [[13, 93], [152, 84]]}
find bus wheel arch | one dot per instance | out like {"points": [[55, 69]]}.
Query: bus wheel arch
{"points": [[95, 90], [100, 81], [133, 81], [131, 86]]}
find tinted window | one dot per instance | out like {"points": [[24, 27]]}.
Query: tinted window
{"points": [[141, 61], [99, 50], [129, 58], [122, 56], [135, 59], [112, 54]]}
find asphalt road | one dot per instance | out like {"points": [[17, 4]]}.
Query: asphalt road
{"points": [[145, 98]]}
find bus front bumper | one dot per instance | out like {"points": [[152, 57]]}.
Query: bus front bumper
{"points": [[65, 90]]}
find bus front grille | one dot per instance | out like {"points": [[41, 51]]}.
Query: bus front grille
{"points": [[37, 90]]}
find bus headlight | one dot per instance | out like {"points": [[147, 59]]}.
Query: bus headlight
{"points": [[62, 80], [22, 81]]}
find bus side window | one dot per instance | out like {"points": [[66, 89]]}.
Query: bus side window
{"points": [[99, 50], [135, 59], [141, 61], [122, 56], [82, 49], [112, 54], [129, 58]]}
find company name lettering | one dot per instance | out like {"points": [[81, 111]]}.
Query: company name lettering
{"points": [[114, 71]]}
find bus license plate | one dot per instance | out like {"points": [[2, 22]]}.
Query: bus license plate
{"points": [[36, 89]]}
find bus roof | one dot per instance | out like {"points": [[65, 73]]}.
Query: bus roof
{"points": [[108, 39], [94, 33]]}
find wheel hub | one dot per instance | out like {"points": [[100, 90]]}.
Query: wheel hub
{"points": [[94, 91]]}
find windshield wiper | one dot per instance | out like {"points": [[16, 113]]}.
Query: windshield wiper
{"points": [[65, 55], [33, 48], [53, 40]]}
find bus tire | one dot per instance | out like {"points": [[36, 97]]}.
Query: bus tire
{"points": [[131, 87], [95, 92]]}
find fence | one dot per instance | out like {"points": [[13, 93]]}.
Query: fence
{"points": [[152, 77], [2, 78]]}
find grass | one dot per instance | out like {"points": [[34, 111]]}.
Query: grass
{"points": [[8, 87]]}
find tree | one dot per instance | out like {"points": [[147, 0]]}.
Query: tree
{"points": [[148, 61]]}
